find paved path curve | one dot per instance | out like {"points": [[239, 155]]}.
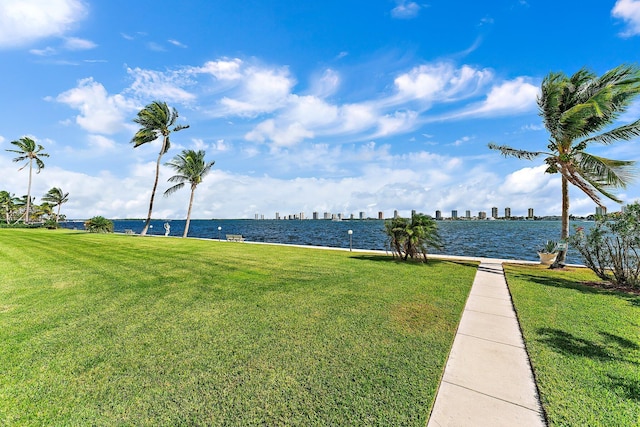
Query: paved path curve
{"points": [[488, 379]]}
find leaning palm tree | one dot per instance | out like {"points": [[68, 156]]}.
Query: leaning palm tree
{"points": [[156, 120], [30, 151], [56, 197], [191, 167], [576, 110]]}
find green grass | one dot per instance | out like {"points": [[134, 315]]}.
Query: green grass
{"points": [[125, 330], [584, 345]]}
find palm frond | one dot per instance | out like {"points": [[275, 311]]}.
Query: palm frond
{"points": [[512, 152], [173, 189], [621, 133], [606, 172]]}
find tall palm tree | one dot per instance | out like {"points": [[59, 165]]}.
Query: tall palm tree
{"points": [[30, 151], [156, 120], [191, 167], [576, 110], [56, 197]]}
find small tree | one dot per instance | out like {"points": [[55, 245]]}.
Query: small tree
{"points": [[98, 224], [611, 248], [192, 168], [411, 238], [56, 197]]}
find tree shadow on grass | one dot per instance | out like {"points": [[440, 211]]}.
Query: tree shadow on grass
{"points": [[612, 349], [420, 261], [556, 282], [630, 387]]}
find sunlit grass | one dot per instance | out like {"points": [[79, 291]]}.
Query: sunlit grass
{"points": [[584, 345], [114, 329]]}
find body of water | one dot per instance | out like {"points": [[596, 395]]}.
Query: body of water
{"points": [[492, 239]]}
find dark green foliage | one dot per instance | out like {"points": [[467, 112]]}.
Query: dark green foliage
{"points": [[98, 224], [612, 247], [412, 238]]}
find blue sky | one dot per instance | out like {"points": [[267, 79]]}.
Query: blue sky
{"points": [[332, 106]]}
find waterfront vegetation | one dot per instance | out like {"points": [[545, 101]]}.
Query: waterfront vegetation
{"points": [[584, 345], [108, 329]]}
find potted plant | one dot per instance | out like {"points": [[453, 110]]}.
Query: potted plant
{"points": [[548, 253]]}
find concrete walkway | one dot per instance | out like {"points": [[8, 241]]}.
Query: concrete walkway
{"points": [[488, 379]]}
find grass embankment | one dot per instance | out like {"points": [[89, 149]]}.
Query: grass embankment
{"points": [[114, 329], [584, 345]]}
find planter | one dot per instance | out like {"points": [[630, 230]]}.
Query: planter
{"points": [[547, 258]]}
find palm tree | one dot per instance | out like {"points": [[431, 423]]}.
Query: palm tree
{"points": [[413, 237], [191, 167], [156, 120], [56, 197], [30, 151], [7, 204], [576, 110]]}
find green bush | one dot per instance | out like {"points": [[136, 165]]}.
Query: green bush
{"points": [[612, 247], [98, 224]]}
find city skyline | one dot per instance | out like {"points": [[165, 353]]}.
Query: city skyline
{"points": [[304, 106]]}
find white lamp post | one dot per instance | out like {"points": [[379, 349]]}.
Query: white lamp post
{"points": [[219, 228], [350, 232]]}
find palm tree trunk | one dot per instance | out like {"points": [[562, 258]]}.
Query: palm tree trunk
{"points": [[58, 214], [26, 218], [186, 226], [564, 235], [155, 186]]}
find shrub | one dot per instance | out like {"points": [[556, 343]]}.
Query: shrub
{"points": [[612, 247], [98, 224]]}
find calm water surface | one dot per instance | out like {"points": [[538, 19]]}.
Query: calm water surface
{"points": [[493, 239]]}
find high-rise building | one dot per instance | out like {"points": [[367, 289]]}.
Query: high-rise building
{"points": [[315, 215], [494, 212], [277, 215], [395, 214], [482, 215], [361, 215], [454, 214], [327, 215], [530, 213], [438, 215], [507, 212], [601, 210], [467, 214], [380, 215]]}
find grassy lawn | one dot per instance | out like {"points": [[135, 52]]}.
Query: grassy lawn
{"points": [[584, 345], [125, 330]]}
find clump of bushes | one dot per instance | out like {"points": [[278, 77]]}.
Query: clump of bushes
{"points": [[98, 224], [611, 248], [412, 238]]}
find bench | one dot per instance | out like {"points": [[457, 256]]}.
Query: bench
{"points": [[235, 238], [129, 231]]}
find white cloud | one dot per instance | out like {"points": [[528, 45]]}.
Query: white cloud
{"points": [[25, 21], [263, 90], [100, 112], [405, 9], [440, 81], [177, 43], [150, 85], [223, 69], [628, 11], [101, 143], [510, 97], [75, 43], [47, 51]]}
